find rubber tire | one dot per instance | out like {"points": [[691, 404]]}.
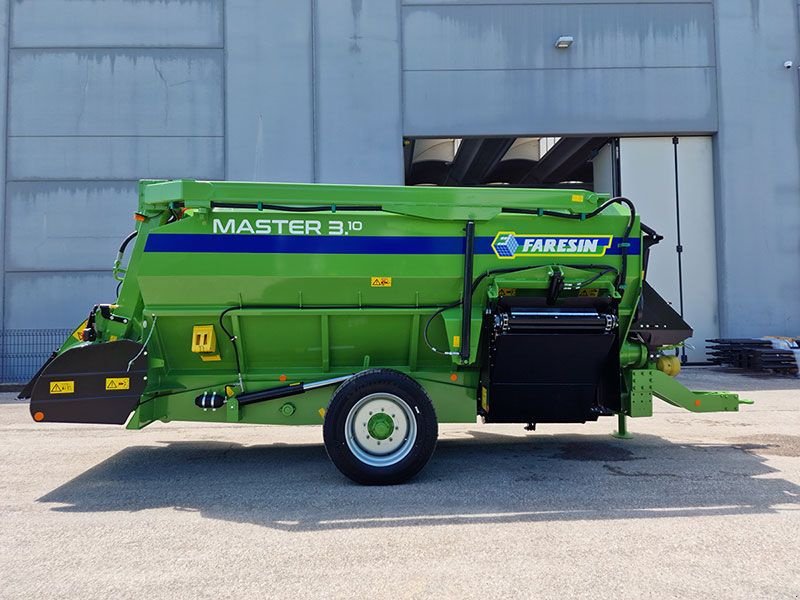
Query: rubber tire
{"points": [[348, 394]]}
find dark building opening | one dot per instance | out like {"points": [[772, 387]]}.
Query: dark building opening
{"points": [[540, 162]]}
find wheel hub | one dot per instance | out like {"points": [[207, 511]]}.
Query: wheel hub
{"points": [[380, 426], [381, 429]]}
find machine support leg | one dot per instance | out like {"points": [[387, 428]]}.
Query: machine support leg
{"points": [[622, 428]]}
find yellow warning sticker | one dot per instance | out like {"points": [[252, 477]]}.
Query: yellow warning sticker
{"points": [[456, 341], [78, 333], [590, 292], [62, 387], [380, 281], [118, 383], [577, 197]]}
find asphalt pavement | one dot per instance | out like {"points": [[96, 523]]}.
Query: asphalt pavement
{"points": [[695, 506]]}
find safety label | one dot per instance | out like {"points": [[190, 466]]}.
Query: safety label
{"points": [[62, 387], [78, 333], [118, 383], [380, 281]]}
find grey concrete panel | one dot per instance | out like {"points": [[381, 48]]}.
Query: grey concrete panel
{"points": [[54, 300], [358, 92], [269, 94], [561, 2], [4, 18], [758, 180], [89, 23], [67, 226], [116, 92], [524, 36], [33, 158], [557, 102]]}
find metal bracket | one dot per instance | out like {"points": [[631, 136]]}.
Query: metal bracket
{"points": [[646, 383]]}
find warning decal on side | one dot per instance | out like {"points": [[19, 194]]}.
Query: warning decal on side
{"points": [[78, 333], [118, 383], [62, 387], [380, 281]]}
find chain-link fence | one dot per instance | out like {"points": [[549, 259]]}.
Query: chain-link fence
{"points": [[23, 351]]}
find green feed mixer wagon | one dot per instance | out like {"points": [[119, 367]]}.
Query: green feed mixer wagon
{"points": [[377, 312]]}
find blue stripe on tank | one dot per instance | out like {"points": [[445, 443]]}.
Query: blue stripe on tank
{"points": [[304, 244]]}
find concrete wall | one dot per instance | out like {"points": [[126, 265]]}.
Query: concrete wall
{"points": [[313, 91], [758, 174], [100, 94], [357, 92], [104, 92], [269, 93], [492, 68], [4, 29]]}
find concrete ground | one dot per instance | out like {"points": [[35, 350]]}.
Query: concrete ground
{"points": [[703, 506]]}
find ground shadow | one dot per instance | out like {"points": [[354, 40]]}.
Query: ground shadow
{"points": [[489, 478]]}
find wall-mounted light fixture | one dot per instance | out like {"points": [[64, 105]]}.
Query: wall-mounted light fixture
{"points": [[564, 42]]}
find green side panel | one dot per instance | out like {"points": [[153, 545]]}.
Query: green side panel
{"points": [[453, 402]]}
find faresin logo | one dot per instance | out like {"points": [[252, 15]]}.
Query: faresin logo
{"points": [[508, 245]]}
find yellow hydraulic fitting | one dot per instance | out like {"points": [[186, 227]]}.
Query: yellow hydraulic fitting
{"points": [[671, 365]]}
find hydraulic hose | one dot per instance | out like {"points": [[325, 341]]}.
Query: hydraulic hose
{"points": [[118, 261], [602, 270], [125, 243], [623, 273]]}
